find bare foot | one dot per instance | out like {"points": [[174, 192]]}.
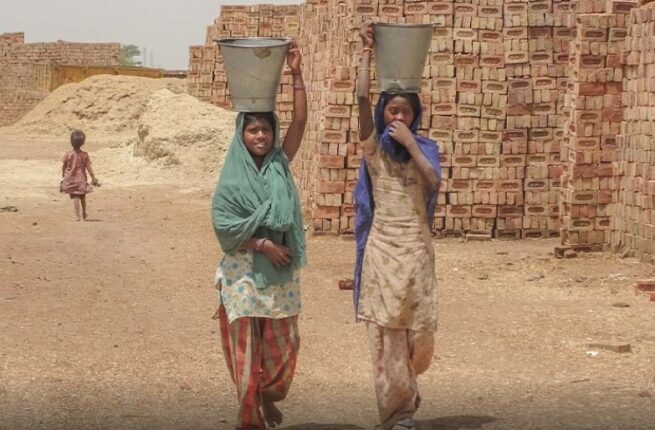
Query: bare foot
{"points": [[272, 414], [83, 217]]}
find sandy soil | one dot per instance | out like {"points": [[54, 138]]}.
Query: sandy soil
{"points": [[106, 324]]}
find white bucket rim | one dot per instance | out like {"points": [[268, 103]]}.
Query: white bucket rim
{"points": [[253, 42], [403, 25]]}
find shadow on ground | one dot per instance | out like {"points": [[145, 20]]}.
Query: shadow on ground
{"points": [[314, 426], [455, 423]]}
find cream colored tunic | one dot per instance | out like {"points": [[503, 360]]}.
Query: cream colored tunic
{"points": [[398, 287]]}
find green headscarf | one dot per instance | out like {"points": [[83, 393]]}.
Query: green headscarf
{"points": [[251, 202]]}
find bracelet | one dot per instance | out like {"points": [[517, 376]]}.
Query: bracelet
{"points": [[299, 87], [364, 68], [366, 48], [259, 243]]}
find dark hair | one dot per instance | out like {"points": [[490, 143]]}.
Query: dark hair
{"points": [[411, 98], [259, 116], [77, 138]]}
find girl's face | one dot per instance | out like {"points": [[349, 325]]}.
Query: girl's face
{"points": [[258, 137], [399, 109]]}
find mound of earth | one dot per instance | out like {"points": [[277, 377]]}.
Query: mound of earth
{"points": [[106, 107], [178, 129]]}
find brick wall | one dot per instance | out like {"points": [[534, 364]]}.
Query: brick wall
{"points": [[14, 49], [524, 98], [24, 72], [22, 86], [633, 215], [589, 149], [492, 95]]}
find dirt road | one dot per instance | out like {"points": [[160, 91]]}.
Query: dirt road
{"points": [[106, 324]]}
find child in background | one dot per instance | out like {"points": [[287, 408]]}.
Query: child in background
{"points": [[73, 172]]}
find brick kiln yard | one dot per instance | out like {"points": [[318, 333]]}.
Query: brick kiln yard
{"points": [[107, 325], [543, 110]]}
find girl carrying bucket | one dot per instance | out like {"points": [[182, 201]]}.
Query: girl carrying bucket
{"points": [[257, 220], [395, 283]]}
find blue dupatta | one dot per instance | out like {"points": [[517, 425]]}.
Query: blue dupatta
{"points": [[365, 206]]}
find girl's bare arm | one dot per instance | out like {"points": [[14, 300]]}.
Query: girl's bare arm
{"points": [[293, 138], [366, 126]]}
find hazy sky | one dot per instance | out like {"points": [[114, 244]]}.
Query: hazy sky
{"points": [[165, 27]]}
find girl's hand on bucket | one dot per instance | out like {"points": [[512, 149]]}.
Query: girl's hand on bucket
{"points": [[401, 134], [366, 33], [293, 58]]}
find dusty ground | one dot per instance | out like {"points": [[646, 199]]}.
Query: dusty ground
{"points": [[106, 324]]}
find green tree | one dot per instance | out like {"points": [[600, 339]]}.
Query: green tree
{"points": [[128, 54]]}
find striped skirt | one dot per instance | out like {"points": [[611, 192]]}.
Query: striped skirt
{"points": [[261, 355]]}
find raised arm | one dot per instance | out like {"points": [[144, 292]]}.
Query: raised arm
{"points": [[293, 138], [366, 126]]}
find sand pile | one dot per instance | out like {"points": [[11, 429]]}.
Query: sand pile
{"points": [[139, 130], [177, 129], [106, 107], [178, 139]]}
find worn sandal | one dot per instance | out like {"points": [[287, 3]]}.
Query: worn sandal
{"points": [[405, 424]]}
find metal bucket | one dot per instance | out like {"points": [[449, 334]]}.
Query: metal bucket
{"points": [[401, 51], [253, 67]]}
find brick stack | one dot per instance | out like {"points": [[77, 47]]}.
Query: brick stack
{"points": [[633, 222], [477, 101], [22, 86], [589, 149], [502, 80], [201, 78], [7, 43], [329, 155], [542, 173], [509, 185]]}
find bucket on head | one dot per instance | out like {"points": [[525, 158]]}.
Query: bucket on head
{"points": [[401, 51], [253, 67]]}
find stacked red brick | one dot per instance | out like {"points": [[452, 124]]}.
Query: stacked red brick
{"points": [[22, 86], [633, 221], [329, 157], [494, 97], [465, 96], [589, 148], [8, 42], [201, 79]]}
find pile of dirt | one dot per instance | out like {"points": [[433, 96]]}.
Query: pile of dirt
{"points": [[139, 130], [106, 107], [177, 129]]}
